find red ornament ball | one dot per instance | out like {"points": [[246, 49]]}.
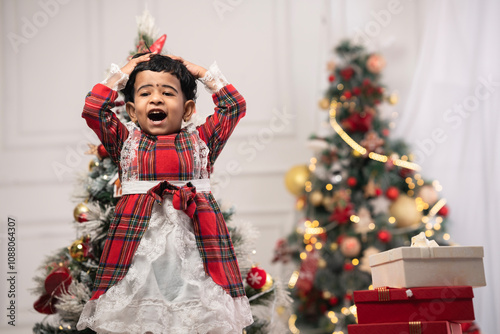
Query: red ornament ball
{"points": [[352, 181], [348, 266], [356, 91], [102, 151], [392, 193], [385, 132], [82, 218], [443, 211], [333, 301], [384, 236], [256, 278], [347, 94], [331, 78], [348, 296], [378, 191]]}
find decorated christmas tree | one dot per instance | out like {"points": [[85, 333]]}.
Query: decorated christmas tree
{"points": [[360, 194], [66, 278]]}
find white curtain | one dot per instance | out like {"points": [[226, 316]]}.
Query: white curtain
{"points": [[451, 119]]}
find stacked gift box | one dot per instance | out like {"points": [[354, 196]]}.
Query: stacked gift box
{"points": [[420, 290]]}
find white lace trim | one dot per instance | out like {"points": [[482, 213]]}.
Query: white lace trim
{"points": [[115, 73], [128, 161], [213, 79], [192, 303]]}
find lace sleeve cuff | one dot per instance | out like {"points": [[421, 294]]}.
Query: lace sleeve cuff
{"points": [[116, 78], [214, 80]]}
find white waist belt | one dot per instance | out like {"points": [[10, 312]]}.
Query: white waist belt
{"points": [[142, 187]]}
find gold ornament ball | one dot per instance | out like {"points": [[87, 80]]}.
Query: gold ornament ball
{"points": [[393, 99], [316, 198], [92, 164], [77, 250], [324, 103], [296, 178], [79, 209], [404, 209], [269, 283], [428, 194]]}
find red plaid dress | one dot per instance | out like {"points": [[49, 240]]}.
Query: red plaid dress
{"points": [[168, 157]]}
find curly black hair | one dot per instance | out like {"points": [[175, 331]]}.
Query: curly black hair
{"points": [[160, 63]]}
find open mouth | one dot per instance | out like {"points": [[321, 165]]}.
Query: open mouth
{"points": [[157, 115]]}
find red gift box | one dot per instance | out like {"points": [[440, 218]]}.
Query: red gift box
{"points": [[417, 327], [415, 304]]}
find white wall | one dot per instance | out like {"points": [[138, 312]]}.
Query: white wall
{"points": [[274, 51]]}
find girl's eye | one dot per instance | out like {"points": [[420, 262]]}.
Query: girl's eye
{"points": [[168, 94], [144, 94]]}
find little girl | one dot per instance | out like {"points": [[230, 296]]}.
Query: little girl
{"points": [[168, 264]]}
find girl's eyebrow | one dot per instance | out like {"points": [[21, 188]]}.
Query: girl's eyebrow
{"points": [[150, 85]]}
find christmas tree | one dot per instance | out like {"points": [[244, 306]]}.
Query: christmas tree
{"points": [[66, 278], [359, 195]]}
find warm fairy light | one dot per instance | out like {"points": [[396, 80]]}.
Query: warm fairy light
{"points": [[312, 167], [446, 236], [334, 246], [392, 220], [315, 223], [355, 219], [404, 158], [371, 226], [425, 219], [436, 185], [291, 324], [314, 240], [308, 189], [439, 220], [309, 248], [329, 187], [417, 177], [426, 206], [345, 311], [293, 279], [360, 149], [435, 209], [411, 186], [307, 223], [370, 287], [437, 227], [340, 86], [410, 193], [313, 160], [303, 256], [318, 245], [429, 233], [330, 314], [428, 226], [420, 182], [355, 262], [334, 319], [353, 310], [409, 180], [308, 184], [314, 230]]}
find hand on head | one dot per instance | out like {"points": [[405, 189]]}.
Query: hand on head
{"points": [[196, 70]]}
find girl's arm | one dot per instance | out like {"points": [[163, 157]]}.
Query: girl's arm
{"points": [[98, 104], [230, 107]]}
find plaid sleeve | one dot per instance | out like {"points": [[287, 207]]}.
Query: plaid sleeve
{"points": [[97, 112], [230, 107]]}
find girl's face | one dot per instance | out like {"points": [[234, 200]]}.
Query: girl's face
{"points": [[159, 105]]}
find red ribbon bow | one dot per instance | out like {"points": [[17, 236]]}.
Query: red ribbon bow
{"points": [[183, 197]]}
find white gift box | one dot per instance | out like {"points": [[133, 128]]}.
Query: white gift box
{"points": [[408, 267]]}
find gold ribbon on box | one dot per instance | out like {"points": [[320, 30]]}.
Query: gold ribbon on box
{"points": [[384, 294], [415, 327]]}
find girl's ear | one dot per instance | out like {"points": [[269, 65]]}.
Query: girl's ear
{"points": [[130, 106], [189, 110]]}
